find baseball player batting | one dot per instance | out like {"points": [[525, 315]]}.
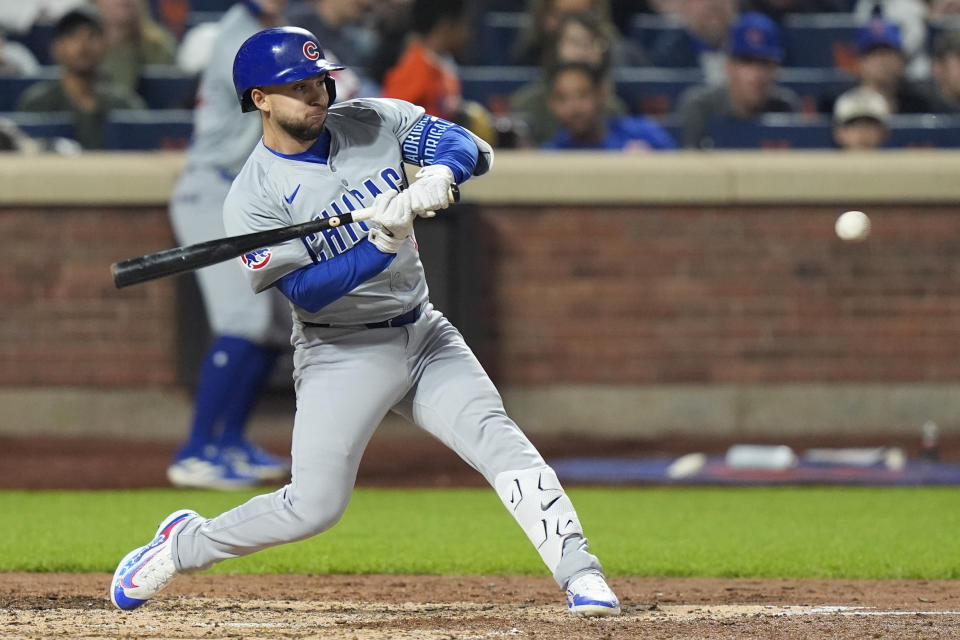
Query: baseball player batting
{"points": [[248, 330], [367, 340]]}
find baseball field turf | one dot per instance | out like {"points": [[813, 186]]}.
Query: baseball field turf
{"points": [[755, 532]]}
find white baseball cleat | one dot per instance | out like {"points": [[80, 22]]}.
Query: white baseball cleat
{"points": [[146, 570], [589, 596], [210, 470], [248, 459]]}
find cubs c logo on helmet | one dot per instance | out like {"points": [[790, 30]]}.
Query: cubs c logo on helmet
{"points": [[256, 259], [310, 50]]}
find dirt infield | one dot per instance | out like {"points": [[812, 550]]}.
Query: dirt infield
{"points": [[461, 608]]}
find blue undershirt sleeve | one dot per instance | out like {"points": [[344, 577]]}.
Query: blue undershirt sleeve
{"points": [[315, 286], [457, 150]]}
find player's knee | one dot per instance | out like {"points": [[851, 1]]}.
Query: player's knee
{"points": [[318, 511]]}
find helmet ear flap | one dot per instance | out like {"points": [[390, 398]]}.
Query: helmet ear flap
{"points": [[331, 88], [246, 102]]}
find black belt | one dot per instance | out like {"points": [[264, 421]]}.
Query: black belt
{"points": [[396, 321]]}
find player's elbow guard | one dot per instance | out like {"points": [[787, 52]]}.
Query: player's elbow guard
{"points": [[485, 156]]}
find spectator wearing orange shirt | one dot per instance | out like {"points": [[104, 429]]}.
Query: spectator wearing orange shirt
{"points": [[426, 73]]}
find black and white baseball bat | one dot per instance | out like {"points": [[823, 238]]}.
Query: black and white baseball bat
{"points": [[195, 256]]}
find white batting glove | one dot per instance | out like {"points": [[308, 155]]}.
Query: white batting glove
{"points": [[381, 202], [431, 191], [392, 221], [392, 210]]}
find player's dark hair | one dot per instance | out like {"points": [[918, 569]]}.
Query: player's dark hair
{"points": [[76, 18], [593, 72], [427, 14]]}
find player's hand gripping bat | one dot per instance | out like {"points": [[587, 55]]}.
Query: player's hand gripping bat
{"points": [[195, 256]]}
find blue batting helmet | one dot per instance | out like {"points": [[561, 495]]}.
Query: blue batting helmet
{"points": [[279, 56]]}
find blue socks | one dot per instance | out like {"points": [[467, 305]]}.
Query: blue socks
{"points": [[233, 374]]}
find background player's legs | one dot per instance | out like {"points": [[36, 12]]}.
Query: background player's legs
{"points": [[225, 361], [331, 430], [237, 365], [455, 400]]}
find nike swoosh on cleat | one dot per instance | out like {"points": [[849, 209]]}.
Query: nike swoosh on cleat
{"points": [[292, 195], [127, 580], [544, 507]]}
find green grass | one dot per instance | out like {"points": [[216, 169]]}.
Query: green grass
{"points": [[788, 532]]}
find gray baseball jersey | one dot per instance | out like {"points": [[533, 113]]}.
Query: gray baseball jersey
{"points": [[366, 159]]}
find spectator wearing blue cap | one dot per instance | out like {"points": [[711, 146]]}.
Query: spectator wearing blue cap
{"points": [[755, 52], [916, 19], [881, 67]]}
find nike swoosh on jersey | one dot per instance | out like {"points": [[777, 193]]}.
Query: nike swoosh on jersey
{"points": [[292, 195]]}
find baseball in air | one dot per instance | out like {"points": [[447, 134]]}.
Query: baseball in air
{"points": [[853, 226]]}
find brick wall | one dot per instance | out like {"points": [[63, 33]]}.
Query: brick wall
{"points": [[745, 294], [637, 296], [63, 321]]}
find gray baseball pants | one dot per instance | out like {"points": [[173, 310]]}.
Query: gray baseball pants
{"points": [[347, 379]]}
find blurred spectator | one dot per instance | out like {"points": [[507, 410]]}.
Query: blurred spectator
{"points": [[16, 59], [336, 23], [426, 73], [702, 41], [133, 39], [910, 16], [577, 94], [391, 21], [579, 39], [945, 72], [78, 46], [861, 120], [544, 17], [880, 66], [755, 54]]}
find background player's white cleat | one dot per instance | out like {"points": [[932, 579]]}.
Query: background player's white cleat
{"points": [[146, 570], [589, 596], [247, 459], [211, 470]]}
